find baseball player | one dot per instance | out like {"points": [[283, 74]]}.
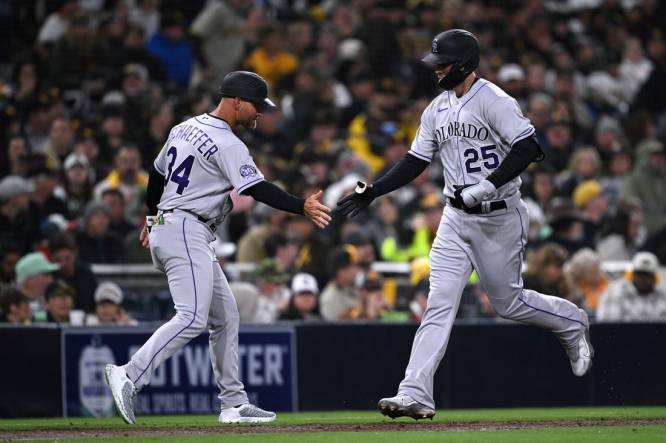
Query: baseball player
{"points": [[201, 162], [484, 142]]}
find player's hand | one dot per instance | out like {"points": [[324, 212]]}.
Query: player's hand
{"points": [[316, 211], [473, 195], [360, 199], [143, 236]]}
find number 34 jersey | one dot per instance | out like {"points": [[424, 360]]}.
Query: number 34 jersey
{"points": [[202, 161], [472, 134]]}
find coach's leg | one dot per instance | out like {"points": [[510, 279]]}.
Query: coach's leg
{"points": [[223, 324], [498, 254], [450, 269], [182, 248]]}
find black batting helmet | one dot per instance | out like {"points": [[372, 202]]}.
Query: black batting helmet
{"points": [[457, 47], [248, 86]]}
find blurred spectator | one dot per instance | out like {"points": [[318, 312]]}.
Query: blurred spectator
{"points": [[76, 189], [33, 275], [545, 271], [146, 15], [303, 303], [129, 179], [635, 67], [218, 28], [9, 255], [72, 271], [273, 295], [567, 225], [173, 49], [156, 132], [424, 227], [59, 301], [14, 307], [372, 305], [96, 243], [619, 167], [251, 245], [588, 198], [364, 248], [312, 254], [279, 248], [61, 141], [72, 60], [647, 183], [17, 151], [623, 235], [115, 201], [340, 294], [43, 200], [637, 297], [16, 225], [56, 23], [585, 164], [270, 60], [108, 307], [587, 279], [511, 78]]}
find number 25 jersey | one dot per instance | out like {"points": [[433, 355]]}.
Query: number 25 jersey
{"points": [[202, 161], [472, 134]]}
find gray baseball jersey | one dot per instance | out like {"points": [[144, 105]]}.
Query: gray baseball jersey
{"points": [[202, 161], [473, 134]]}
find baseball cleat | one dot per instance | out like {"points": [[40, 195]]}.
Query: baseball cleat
{"points": [[404, 406], [123, 391], [247, 413], [582, 352]]}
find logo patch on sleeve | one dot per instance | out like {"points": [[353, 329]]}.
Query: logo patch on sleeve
{"points": [[247, 171]]}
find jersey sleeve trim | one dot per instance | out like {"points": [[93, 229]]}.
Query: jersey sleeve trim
{"points": [[419, 156], [250, 184], [157, 168], [526, 133]]}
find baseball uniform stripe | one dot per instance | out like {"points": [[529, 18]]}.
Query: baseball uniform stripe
{"points": [[421, 156], [212, 126], [522, 135], [247, 185], [522, 248], [194, 314]]}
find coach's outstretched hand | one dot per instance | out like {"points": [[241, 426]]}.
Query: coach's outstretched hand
{"points": [[360, 199], [316, 211]]}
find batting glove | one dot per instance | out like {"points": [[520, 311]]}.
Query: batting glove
{"points": [[475, 194], [353, 203]]}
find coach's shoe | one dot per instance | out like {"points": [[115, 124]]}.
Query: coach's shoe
{"points": [[404, 406], [123, 391], [582, 352], [247, 413]]}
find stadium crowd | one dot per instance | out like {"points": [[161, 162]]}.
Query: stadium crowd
{"points": [[89, 90]]}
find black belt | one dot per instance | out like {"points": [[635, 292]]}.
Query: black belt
{"points": [[482, 208], [207, 222]]}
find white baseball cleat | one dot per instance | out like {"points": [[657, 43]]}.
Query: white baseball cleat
{"points": [[404, 406], [123, 391], [247, 413], [582, 352]]}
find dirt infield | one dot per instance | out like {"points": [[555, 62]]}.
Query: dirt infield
{"points": [[156, 431]]}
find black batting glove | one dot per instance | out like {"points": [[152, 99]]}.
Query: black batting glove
{"points": [[352, 204], [457, 195]]}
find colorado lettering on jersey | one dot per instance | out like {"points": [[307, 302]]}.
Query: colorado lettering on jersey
{"points": [[197, 138], [461, 129]]}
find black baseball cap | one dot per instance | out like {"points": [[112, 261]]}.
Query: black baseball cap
{"points": [[248, 86]]}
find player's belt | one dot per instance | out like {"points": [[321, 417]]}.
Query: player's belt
{"points": [[483, 208], [210, 223]]}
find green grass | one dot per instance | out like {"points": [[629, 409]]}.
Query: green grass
{"points": [[615, 433], [353, 417]]}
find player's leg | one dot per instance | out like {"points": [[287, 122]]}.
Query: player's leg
{"points": [[497, 254], [223, 324], [450, 269], [181, 248]]}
